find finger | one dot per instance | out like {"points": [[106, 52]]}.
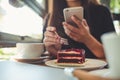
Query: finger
{"points": [[70, 31], [74, 36], [77, 21], [51, 41], [51, 28], [50, 34], [84, 22], [49, 44], [69, 27]]}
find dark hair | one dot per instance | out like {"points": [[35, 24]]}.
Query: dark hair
{"points": [[57, 14], [59, 5]]}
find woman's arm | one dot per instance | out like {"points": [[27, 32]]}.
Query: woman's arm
{"points": [[95, 46]]}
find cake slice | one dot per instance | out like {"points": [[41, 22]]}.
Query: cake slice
{"points": [[71, 57]]}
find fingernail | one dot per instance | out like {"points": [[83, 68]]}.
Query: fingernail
{"points": [[63, 23], [73, 17]]}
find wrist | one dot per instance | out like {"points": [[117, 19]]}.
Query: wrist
{"points": [[88, 40]]}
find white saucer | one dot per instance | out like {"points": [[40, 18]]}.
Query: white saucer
{"points": [[29, 60], [19, 57]]}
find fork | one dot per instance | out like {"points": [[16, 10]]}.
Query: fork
{"points": [[64, 41]]}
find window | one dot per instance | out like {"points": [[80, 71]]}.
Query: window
{"points": [[115, 6], [20, 24]]}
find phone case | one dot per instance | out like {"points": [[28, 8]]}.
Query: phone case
{"points": [[68, 12]]}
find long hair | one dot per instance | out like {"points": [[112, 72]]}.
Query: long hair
{"points": [[57, 14], [86, 3], [59, 5], [95, 2]]}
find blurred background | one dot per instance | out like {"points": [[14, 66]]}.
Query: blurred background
{"points": [[24, 22]]}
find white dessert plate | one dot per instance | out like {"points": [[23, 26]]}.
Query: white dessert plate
{"points": [[90, 64]]}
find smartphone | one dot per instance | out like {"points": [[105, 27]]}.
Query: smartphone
{"points": [[68, 12]]}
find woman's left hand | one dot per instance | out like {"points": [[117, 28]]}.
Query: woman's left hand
{"points": [[79, 33]]}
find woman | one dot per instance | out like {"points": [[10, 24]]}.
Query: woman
{"points": [[87, 35]]}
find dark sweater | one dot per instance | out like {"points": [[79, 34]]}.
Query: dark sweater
{"points": [[99, 20]]}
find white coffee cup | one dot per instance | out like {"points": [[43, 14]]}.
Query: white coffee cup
{"points": [[111, 43], [29, 50]]}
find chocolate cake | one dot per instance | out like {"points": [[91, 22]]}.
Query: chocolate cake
{"points": [[71, 56]]}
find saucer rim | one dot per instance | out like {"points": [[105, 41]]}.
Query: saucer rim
{"points": [[36, 60], [18, 57]]}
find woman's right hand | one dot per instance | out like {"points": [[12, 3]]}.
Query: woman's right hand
{"points": [[52, 40]]}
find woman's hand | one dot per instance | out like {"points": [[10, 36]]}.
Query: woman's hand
{"points": [[52, 40], [82, 34], [79, 34]]}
